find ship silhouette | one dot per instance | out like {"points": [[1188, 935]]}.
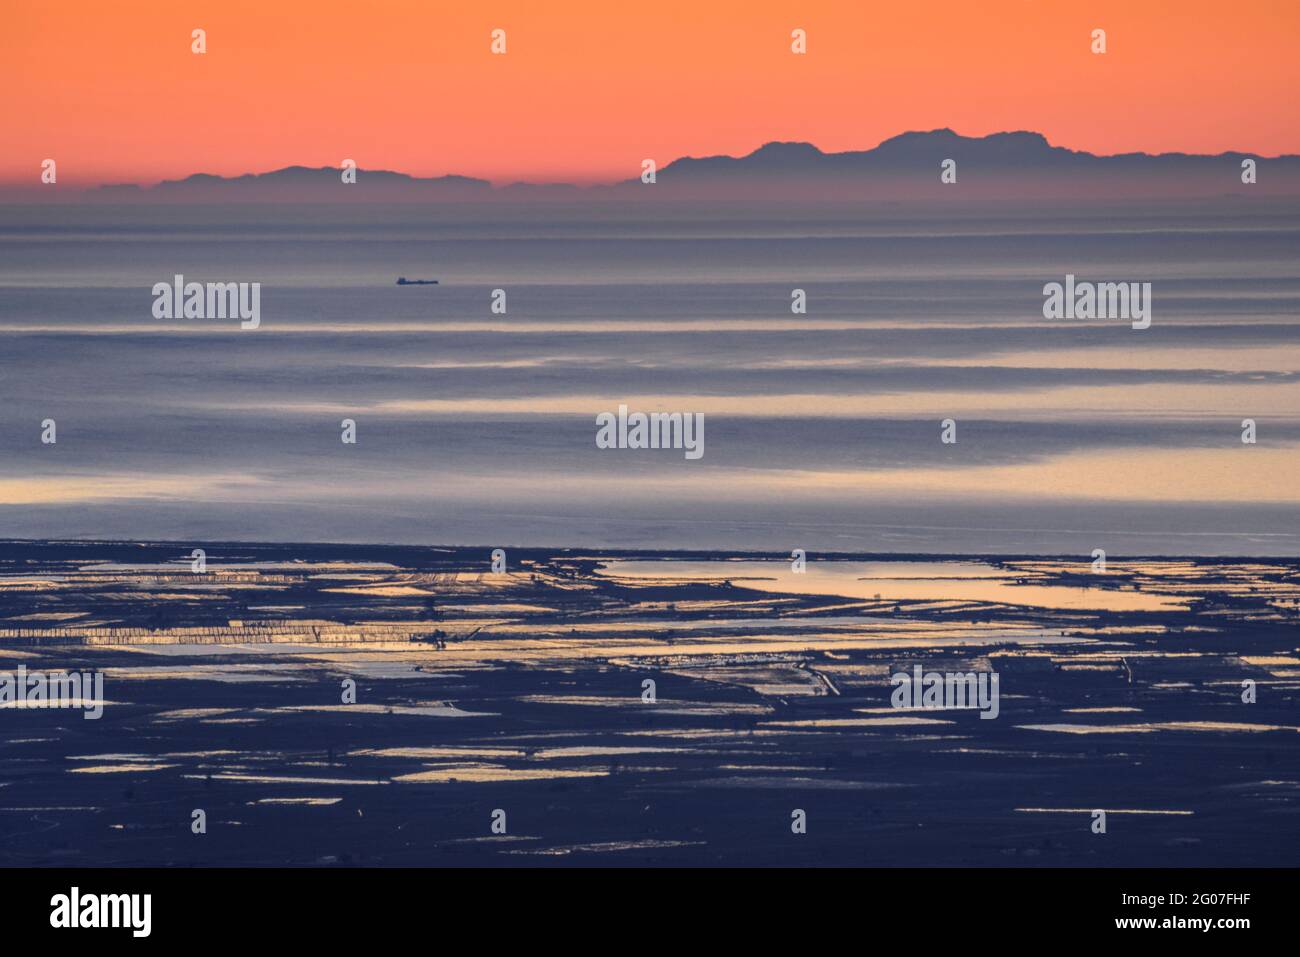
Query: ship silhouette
{"points": [[403, 281]]}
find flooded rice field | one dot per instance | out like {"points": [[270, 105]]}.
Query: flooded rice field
{"points": [[401, 705]]}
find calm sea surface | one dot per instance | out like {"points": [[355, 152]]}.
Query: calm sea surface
{"points": [[822, 431]]}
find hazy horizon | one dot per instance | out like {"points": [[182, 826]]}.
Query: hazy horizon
{"points": [[588, 184]]}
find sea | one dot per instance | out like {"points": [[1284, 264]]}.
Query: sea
{"points": [[871, 379]]}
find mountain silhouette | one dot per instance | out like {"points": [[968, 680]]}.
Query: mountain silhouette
{"points": [[322, 183], [912, 151], [1019, 164]]}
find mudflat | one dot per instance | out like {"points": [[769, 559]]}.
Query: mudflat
{"points": [[393, 705]]}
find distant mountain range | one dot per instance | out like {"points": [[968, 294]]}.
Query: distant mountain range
{"points": [[906, 166], [907, 152], [1019, 163], [318, 182]]}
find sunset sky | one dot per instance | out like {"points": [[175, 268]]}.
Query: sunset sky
{"points": [[588, 89]]}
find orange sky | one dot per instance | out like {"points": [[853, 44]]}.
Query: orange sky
{"points": [[589, 89]]}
